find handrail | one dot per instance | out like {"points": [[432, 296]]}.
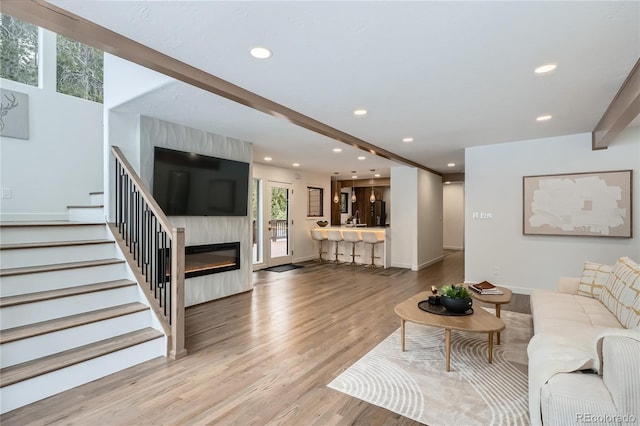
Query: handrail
{"points": [[156, 246]]}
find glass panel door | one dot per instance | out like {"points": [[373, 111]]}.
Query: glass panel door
{"points": [[279, 224]]}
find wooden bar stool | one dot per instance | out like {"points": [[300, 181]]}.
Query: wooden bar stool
{"points": [[353, 238], [337, 237], [316, 234], [371, 238]]}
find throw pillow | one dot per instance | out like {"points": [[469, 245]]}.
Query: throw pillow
{"points": [[621, 291], [594, 277]]}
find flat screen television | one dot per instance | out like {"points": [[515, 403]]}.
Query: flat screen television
{"points": [[188, 184]]}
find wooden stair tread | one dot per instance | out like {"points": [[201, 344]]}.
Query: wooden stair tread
{"points": [[40, 296], [47, 223], [40, 366], [57, 267], [87, 206], [19, 246], [44, 327]]}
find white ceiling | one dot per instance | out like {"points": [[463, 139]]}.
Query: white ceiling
{"points": [[449, 74]]}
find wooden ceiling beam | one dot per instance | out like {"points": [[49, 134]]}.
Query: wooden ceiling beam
{"points": [[624, 107], [61, 21]]}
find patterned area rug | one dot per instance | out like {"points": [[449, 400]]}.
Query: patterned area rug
{"points": [[414, 384]]}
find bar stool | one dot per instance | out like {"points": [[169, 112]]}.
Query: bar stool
{"points": [[337, 237], [353, 238], [371, 238], [316, 234]]}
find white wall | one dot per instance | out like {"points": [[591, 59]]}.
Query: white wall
{"points": [[453, 212], [415, 218], [493, 184], [429, 219], [304, 248], [61, 162]]}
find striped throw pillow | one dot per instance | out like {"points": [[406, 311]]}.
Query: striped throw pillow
{"points": [[594, 277], [621, 292]]}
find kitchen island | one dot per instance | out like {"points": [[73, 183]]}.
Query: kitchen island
{"points": [[363, 251]]}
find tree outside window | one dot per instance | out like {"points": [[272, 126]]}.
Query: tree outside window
{"points": [[79, 69], [18, 50]]}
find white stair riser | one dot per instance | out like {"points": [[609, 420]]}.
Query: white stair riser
{"points": [[16, 316], [38, 234], [84, 214], [51, 255], [24, 350], [28, 391], [31, 283], [96, 199]]}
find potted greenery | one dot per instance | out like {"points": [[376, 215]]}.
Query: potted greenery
{"points": [[455, 298]]}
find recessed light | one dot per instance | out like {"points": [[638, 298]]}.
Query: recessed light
{"points": [[451, 164], [545, 68], [360, 112], [337, 149], [407, 140], [268, 158], [296, 164], [543, 118], [377, 175], [260, 52], [362, 157]]}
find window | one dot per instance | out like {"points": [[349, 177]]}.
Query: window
{"points": [[18, 51], [314, 206], [79, 69]]}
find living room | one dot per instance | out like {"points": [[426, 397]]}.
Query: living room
{"points": [[495, 247]]}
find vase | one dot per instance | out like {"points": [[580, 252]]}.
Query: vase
{"points": [[457, 306]]}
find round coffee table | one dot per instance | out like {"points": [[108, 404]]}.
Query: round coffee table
{"points": [[480, 321], [496, 299]]}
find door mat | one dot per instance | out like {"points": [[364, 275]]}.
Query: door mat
{"points": [[283, 268]]}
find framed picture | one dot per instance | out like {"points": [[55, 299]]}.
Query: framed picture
{"points": [[596, 204], [344, 202], [14, 114]]}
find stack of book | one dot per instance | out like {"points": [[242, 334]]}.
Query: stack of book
{"points": [[485, 287]]}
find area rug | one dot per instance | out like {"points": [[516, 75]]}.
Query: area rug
{"points": [[283, 268], [414, 383]]}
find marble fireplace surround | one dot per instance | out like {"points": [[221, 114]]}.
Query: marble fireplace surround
{"points": [[200, 230]]}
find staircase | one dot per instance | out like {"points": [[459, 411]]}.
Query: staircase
{"points": [[69, 311]]}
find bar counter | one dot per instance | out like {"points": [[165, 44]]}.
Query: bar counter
{"points": [[362, 249]]}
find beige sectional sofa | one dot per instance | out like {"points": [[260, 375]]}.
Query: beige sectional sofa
{"points": [[584, 357]]}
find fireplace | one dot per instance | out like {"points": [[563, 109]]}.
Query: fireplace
{"points": [[211, 259], [206, 259]]}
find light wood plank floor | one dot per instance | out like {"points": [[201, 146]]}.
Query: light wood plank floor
{"points": [[262, 357]]}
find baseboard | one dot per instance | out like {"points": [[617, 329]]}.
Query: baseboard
{"points": [[400, 265], [453, 248], [303, 259], [32, 217], [428, 263]]}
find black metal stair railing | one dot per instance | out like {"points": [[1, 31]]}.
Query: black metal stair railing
{"points": [[156, 247]]}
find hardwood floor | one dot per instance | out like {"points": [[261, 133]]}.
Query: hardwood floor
{"points": [[262, 357]]}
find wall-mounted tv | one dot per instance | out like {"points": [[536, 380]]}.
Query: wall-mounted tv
{"points": [[188, 184]]}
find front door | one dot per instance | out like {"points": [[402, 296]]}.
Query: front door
{"points": [[278, 226]]}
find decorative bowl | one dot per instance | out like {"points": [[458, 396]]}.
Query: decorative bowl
{"points": [[322, 223], [457, 306]]}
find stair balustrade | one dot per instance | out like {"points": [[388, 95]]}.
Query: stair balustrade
{"points": [[156, 248]]}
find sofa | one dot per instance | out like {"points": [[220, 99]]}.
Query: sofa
{"points": [[584, 357]]}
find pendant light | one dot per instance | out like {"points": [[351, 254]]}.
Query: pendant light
{"points": [[372, 198], [353, 188], [336, 198]]}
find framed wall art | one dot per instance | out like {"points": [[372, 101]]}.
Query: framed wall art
{"points": [[14, 114], [585, 204]]}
